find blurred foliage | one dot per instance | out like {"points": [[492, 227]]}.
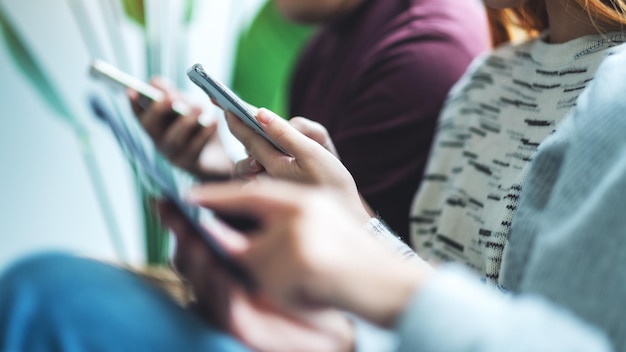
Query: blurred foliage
{"points": [[189, 7], [27, 65], [156, 236], [135, 11]]}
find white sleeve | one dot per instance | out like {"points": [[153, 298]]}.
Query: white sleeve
{"points": [[369, 337], [390, 240], [456, 312]]}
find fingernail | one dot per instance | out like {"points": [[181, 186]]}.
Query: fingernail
{"points": [[254, 165], [264, 116]]}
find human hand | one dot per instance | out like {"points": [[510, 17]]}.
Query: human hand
{"points": [[316, 131], [182, 139], [250, 317], [309, 250], [309, 161]]}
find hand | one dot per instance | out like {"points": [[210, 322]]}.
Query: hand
{"points": [[309, 161], [182, 139], [316, 131], [251, 318], [310, 251]]}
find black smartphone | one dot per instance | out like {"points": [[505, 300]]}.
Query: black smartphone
{"points": [[147, 94], [227, 100], [167, 188]]}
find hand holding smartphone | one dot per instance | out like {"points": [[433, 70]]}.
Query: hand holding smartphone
{"points": [[228, 101], [147, 93], [139, 155]]}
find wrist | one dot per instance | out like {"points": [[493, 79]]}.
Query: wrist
{"points": [[386, 295], [380, 284]]}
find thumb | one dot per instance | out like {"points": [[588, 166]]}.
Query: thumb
{"points": [[314, 130], [292, 140]]}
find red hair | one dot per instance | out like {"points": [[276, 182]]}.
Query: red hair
{"points": [[532, 17]]}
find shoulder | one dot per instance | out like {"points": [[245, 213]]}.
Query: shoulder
{"points": [[420, 28], [502, 58], [429, 40]]}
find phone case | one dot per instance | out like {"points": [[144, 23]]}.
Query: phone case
{"points": [[228, 100]]}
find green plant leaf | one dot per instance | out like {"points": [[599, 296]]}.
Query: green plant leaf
{"points": [[135, 10], [24, 60], [189, 7]]}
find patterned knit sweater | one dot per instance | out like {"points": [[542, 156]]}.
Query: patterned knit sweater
{"points": [[504, 107]]}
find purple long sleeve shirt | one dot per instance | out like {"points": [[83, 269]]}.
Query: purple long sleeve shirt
{"points": [[377, 80]]}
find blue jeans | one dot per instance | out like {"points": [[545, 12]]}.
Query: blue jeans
{"points": [[57, 302]]}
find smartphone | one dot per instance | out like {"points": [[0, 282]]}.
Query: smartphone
{"points": [[147, 93], [137, 153], [227, 100]]}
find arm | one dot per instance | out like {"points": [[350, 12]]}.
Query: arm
{"points": [[569, 237], [309, 251], [456, 312], [291, 243]]}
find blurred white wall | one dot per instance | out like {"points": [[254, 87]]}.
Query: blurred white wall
{"points": [[49, 198]]}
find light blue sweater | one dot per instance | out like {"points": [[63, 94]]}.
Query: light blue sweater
{"points": [[566, 259]]}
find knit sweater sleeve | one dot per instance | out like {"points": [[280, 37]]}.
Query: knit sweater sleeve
{"points": [[567, 242], [455, 312], [566, 252]]}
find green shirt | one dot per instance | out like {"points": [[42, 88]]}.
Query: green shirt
{"points": [[265, 56]]}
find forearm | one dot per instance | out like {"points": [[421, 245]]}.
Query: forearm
{"points": [[379, 288], [450, 310]]}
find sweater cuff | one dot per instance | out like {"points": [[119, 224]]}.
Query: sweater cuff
{"points": [[387, 238], [371, 338], [446, 314], [456, 312]]}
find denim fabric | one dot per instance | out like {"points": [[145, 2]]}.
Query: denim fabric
{"points": [[57, 302]]}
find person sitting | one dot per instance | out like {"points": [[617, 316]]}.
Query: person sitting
{"points": [[506, 106], [310, 252], [376, 75]]}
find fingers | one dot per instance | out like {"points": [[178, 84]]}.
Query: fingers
{"points": [[248, 167], [171, 217], [195, 144], [178, 133], [141, 103], [296, 143], [257, 200], [157, 118], [180, 138], [185, 256], [314, 130], [311, 129], [133, 96], [254, 144], [185, 232], [193, 261], [308, 161]]}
